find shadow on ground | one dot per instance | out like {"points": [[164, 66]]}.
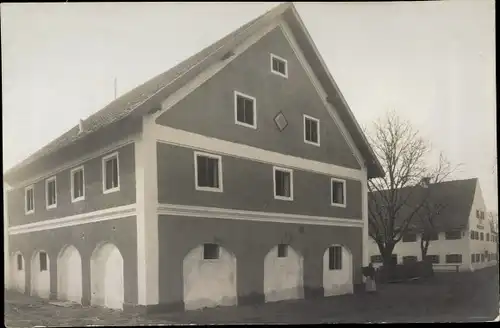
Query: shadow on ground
{"points": [[445, 297]]}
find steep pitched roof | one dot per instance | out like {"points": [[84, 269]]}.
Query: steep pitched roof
{"points": [[457, 197], [168, 82]]}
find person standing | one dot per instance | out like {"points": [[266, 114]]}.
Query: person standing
{"points": [[370, 279]]}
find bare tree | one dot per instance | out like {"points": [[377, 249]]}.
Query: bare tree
{"points": [[433, 206], [401, 152]]}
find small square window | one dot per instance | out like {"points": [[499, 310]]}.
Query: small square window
{"points": [[208, 172], [51, 193], [29, 201], [311, 130], [211, 252], [409, 237], [409, 259], [283, 183], [245, 110], [19, 262], [454, 258], [335, 258], [433, 259], [281, 121], [279, 66], [43, 261], [282, 250], [338, 192], [111, 173]]}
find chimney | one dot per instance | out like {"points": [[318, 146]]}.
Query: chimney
{"points": [[425, 181], [80, 126]]}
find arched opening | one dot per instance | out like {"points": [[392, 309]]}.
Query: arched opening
{"points": [[40, 274], [337, 271], [106, 270], [209, 276], [18, 272], [283, 274], [69, 275]]}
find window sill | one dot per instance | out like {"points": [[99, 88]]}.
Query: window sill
{"points": [[79, 199], [246, 125], [290, 199], [338, 205], [280, 74], [312, 143], [209, 189], [109, 191], [29, 213], [50, 207]]}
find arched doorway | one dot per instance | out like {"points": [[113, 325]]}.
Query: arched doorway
{"points": [[209, 275], [18, 272], [69, 275], [283, 274], [337, 271], [106, 266], [40, 274]]}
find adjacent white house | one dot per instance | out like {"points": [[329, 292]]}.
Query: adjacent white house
{"points": [[464, 238]]}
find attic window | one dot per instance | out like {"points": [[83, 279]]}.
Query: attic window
{"points": [[279, 66], [281, 121]]}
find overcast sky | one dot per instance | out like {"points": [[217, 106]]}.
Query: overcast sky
{"points": [[433, 62]]}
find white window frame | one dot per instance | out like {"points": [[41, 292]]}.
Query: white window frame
{"points": [[26, 212], [273, 56], [254, 101], [277, 168], [47, 181], [344, 191], [307, 117], [104, 160], [217, 157], [72, 182]]}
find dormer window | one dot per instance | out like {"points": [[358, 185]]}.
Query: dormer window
{"points": [[279, 66]]}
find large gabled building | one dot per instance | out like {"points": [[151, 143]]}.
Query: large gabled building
{"points": [[238, 176], [463, 237]]}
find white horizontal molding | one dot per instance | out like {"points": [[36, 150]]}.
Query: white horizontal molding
{"points": [[73, 220], [224, 213], [217, 146], [109, 148]]}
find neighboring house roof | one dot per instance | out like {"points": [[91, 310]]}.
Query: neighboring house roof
{"points": [[163, 85], [456, 196]]}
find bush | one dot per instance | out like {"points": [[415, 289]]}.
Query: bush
{"points": [[406, 271]]}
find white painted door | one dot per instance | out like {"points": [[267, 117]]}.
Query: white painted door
{"points": [[113, 281]]}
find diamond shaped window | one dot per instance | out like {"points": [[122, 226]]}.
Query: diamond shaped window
{"points": [[280, 121]]}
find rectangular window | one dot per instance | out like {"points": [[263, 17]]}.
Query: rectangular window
{"points": [[43, 261], [245, 110], [208, 172], [283, 183], [29, 200], [477, 235], [472, 234], [433, 259], [473, 258], [311, 130], [279, 66], [454, 258], [432, 235], [481, 236], [335, 258], [487, 237], [19, 262], [338, 192], [51, 193], [409, 259], [282, 250], [77, 184], [211, 252], [477, 214], [453, 235], [409, 238], [376, 259], [482, 257], [477, 258], [111, 173]]}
